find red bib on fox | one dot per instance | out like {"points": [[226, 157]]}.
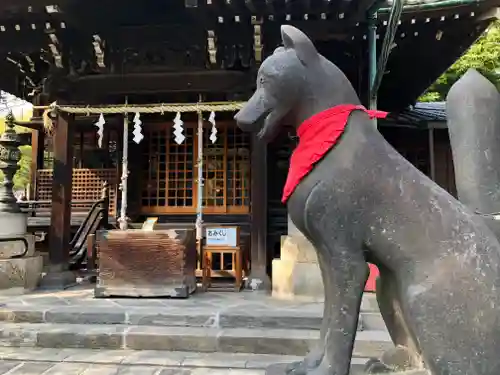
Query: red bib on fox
{"points": [[317, 135]]}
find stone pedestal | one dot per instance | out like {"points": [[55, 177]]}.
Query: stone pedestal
{"points": [[20, 275], [20, 268], [13, 223], [296, 275]]}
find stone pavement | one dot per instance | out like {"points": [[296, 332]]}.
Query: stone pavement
{"points": [[118, 362], [114, 362], [233, 333], [28, 361], [45, 368], [211, 309]]}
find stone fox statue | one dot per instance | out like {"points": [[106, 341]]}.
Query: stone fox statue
{"points": [[358, 200]]}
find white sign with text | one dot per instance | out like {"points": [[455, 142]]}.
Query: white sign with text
{"points": [[221, 236]]}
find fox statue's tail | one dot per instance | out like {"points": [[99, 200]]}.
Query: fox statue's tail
{"points": [[473, 113]]}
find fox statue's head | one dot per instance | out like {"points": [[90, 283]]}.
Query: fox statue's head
{"points": [[290, 84]]}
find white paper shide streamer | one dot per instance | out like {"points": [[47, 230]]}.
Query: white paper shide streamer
{"points": [[138, 137], [213, 133], [100, 129], [178, 129]]}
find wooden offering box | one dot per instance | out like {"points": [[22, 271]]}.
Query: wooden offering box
{"points": [[139, 263]]}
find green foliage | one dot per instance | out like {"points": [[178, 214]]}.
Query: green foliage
{"points": [[23, 175], [484, 55]]}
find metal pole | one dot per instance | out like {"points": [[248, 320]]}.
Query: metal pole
{"points": [[123, 220], [372, 63], [199, 203], [387, 44]]}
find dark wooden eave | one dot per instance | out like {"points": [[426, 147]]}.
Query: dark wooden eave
{"points": [[150, 83], [177, 39], [15, 8], [422, 54]]}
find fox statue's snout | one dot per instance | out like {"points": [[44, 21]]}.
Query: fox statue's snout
{"points": [[280, 83]]}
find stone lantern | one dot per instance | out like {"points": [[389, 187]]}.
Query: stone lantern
{"points": [[12, 220], [20, 267]]}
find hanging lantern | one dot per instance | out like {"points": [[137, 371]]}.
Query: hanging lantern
{"points": [[178, 129], [138, 137], [100, 129], [213, 133]]}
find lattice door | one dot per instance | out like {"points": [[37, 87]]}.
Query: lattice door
{"points": [[238, 170], [87, 186], [214, 171], [168, 183]]}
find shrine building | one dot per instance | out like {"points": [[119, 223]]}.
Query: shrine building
{"points": [[117, 55]]}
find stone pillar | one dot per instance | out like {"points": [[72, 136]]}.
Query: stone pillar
{"points": [[20, 268], [296, 275]]}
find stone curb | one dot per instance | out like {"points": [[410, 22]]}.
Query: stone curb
{"points": [[53, 368], [285, 319], [160, 317], [188, 339], [156, 359], [153, 358]]}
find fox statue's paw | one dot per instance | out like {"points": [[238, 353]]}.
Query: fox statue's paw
{"points": [[311, 361], [375, 366], [397, 359], [304, 367]]}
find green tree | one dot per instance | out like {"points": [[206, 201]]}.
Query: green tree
{"points": [[484, 55]]}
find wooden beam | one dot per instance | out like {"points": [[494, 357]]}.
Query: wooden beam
{"points": [[37, 149], [30, 124], [258, 207], [61, 193], [144, 83], [25, 5], [270, 6], [251, 6]]}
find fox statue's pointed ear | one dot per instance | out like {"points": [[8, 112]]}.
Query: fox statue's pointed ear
{"points": [[297, 40]]}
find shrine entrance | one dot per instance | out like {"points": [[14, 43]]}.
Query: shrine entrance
{"points": [[169, 171]]}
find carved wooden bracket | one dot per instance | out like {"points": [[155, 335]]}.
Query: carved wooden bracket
{"points": [[257, 39], [212, 47], [54, 49], [98, 44]]}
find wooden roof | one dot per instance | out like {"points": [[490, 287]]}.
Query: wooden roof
{"points": [[151, 46]]}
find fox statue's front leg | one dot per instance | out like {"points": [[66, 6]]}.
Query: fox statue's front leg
{"points": [[315, 356], [345, 270], [406, 354]]}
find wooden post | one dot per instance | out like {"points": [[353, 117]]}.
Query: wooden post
{"points": [[91, 257], [37, 148], [105, 205], [258, 278], [61, 197], [432, 158]]}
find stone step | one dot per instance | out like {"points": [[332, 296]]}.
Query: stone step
{"points": [[190, 339], [369, 302], [372, 321], [179, 317], [103, 362]]}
